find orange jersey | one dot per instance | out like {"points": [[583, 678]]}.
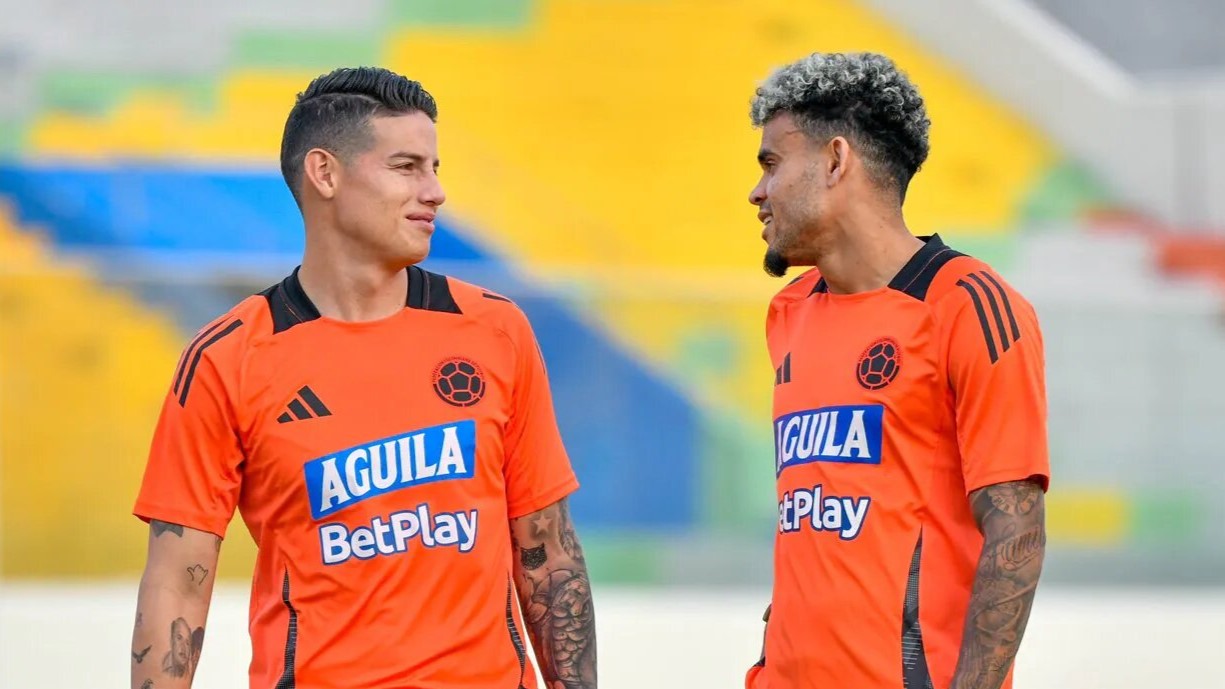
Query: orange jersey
{"points": [[377, 466], [890, 407]]}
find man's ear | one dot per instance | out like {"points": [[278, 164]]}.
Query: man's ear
{"points": [[838, 160], [321, 172]]}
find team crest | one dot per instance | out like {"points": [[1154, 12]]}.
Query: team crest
{"points": [[879, 364], [459, 382]]}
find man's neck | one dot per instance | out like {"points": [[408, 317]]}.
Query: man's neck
{"points": [[866, 253], [347, 289]]}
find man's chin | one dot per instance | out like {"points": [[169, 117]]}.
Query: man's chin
{"points": [[775, 264]]}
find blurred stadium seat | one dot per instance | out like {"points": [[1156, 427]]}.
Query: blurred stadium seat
{"points": [[597, 157]]}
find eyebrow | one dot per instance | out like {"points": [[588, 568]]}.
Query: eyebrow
{"points": [[414, 157], [763, 154]]}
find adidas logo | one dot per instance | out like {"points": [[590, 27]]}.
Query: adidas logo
{"points": [[299, 411], [782, 374]]}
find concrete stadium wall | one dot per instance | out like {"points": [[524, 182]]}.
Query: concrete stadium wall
{"points": [[1152, 143], [77, 637]]}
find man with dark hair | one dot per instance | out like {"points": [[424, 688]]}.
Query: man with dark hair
{"points": [[909, 406], [387, 435]]}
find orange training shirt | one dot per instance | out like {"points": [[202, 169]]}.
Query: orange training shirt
{"points": [[376, 465], [890, 407]]}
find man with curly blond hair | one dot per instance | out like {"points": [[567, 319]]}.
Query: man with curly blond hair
{"points": [[909, 405]]}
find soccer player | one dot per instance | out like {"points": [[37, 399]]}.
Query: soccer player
{"points": [[387, 435], [909, 406]]}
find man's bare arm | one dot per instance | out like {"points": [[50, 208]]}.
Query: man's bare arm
{"points": [[555, 592], [172, 606], [1012, 519]]}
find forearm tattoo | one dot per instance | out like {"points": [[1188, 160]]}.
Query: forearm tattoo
{"points": [[1011, 517], [185, 647], [556, 596]]}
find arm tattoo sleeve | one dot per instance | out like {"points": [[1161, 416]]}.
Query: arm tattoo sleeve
{"points": [[1011, 517], [556, 596]]}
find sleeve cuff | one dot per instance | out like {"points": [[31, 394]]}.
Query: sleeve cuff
{"points": [[1041, 476], [147, 512], [542, 500]]}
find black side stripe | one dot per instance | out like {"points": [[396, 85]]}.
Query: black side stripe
{"points": [[495, 297], [515, 639], [195, 360], [291, 640], [915, 674], [995, 311], [1012, 321], [178, 377], [787, 368], [982, 319], [313, 400]]}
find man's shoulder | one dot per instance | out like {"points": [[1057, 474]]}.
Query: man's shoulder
{"points": [[232, 331], [964, 281], [799, 288], [486, 306]]}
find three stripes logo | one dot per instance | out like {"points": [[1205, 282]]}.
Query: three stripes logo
{"points": [[782, 374], [190, 360], [298, 407], [989, 295]]}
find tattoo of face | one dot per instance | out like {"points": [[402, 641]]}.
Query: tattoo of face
{"points": [[218, 544], [185, 646], [161, 527], [533, 558], [147, 684], [140, 657], [197, 574], [139, 618]]}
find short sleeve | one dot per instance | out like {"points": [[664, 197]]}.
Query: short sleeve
{"points": [[996, 368], [537, 468], [193, 474]]}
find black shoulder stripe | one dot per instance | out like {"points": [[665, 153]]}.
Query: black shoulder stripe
{"points": [[495, 297], [1012, 321], [195, 360], [982, 319], [288, 304], [283, 315], [995, 310], [187, 354], [430, 291], [916, 281], [819, 288]]}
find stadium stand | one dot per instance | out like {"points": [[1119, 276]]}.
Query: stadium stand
{"points": [[597, 158]]}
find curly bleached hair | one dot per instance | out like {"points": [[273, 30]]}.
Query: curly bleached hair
{"points": [[862, 96]]}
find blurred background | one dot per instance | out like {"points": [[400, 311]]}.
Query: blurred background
{"points": [[598, 157]]}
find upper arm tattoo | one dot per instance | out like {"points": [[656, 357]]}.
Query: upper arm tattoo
{"points": [[160, 527], [1011, 517]]}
